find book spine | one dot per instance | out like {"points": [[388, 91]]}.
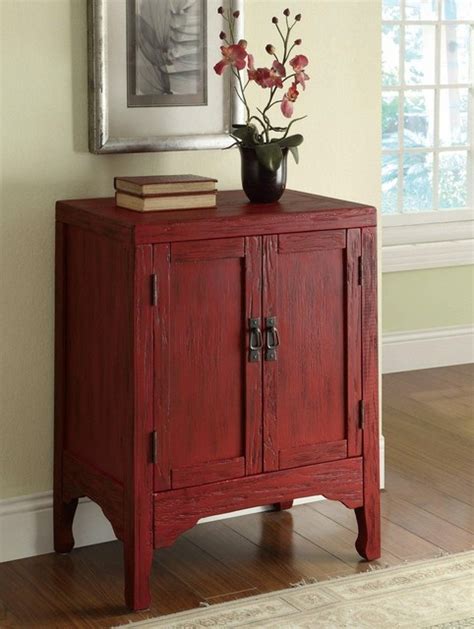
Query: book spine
{"points": [[167, 194]]}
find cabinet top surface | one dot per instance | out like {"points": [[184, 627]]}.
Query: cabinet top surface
{"points": [[296, 211]]}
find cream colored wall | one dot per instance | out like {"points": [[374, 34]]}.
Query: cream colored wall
{"points": [[431, 298], [44, 158]]}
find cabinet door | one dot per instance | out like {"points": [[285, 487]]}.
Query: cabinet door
{"points": [[208, 410], [312, 378]]}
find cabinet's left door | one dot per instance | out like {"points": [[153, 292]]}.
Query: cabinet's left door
{"points": [[207, 393]]}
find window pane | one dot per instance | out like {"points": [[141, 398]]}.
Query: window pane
{"points": [[391, 10], [390, 120], [390, 55], [389, 184], [453, 180], [419, 54], [458, 10], [418, 118], [421, 9], [418, 182], [455, 53], [453, 117]]}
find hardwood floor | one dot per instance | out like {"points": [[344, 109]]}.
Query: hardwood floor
{"points": [[427, 510]]}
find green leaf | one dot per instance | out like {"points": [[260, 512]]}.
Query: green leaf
{"points": [[269, 156], [247, 134], [295, 153], [291, 141]]}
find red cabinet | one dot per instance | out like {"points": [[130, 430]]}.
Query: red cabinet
{"points": [[213, 360]]}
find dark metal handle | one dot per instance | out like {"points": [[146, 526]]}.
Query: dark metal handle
{"points": [[255, 340], [272, 338]]}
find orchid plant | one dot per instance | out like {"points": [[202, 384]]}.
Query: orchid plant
{"points": [[284, 78]]}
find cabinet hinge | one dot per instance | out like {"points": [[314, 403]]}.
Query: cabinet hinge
{"points": [[154, 447], [361, 414], [154, 289], [360, 270]]}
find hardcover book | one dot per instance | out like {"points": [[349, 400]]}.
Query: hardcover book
{"points": [[164, 184]]}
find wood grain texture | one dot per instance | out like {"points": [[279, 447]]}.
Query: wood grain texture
{"points": [[80, 479], [253, 370], [207, 359], [99, 349], [270, 368], [208, 472], [309, 455], [309, 304], [177, 511], [161, 358], [295, 243], [63, 512], [354, 341], [208, 249], [234, 216], [138, 527], [368, 542]]}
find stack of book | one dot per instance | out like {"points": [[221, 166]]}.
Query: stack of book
{"points": [[175, 192]]}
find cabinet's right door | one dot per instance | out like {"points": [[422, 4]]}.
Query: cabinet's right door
{"points": [[312, 362]]}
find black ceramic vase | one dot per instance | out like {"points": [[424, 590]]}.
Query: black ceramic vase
{"points": [[260, 184]]}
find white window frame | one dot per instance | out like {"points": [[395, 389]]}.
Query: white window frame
{"points": [[440, 237]]}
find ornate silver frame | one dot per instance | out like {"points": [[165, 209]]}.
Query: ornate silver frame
{"points": [[100, 141]]}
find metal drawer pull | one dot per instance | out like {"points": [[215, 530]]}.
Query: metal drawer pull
{"points": [[255, 341], [272, 338]]}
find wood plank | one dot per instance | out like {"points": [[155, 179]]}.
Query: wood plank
{"points": [[234, 216], [312, 454], [430, 499], [354, 341], [180, 509], [211, 472], [396, 540], [336, 538], [270, 300], [296, 556], [208, 249], [253, 370], [257, 567], [312, 241], [199, 571]]}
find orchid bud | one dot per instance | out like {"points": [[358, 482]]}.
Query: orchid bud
{"points": [[220, 10], [298, 17], [298, 42], [270, 49], [243, 43], [274, 20], [236, 14], [286, 12], [222, 35]]}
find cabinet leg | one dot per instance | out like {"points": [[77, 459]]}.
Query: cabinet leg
{"points": [[283, 506], [368, 520], [63, 519], [137, 565]]}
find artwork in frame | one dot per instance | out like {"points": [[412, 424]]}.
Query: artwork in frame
{"points": [[151, 82]]}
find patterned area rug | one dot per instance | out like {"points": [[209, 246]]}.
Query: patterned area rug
{"points": [[436, 594]]}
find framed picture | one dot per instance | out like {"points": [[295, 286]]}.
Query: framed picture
{"points": [[152, 86]]}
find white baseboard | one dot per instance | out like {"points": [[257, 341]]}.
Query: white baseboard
{"points": [[26, 522], [423, 349]]}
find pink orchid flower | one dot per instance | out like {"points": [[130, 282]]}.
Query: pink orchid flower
{"points": [[288, 99], [298, 64], [266, 77], [233, 55]]}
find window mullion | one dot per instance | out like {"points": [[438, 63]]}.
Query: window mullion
{"points": [[436, 122], [401, 106]]}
